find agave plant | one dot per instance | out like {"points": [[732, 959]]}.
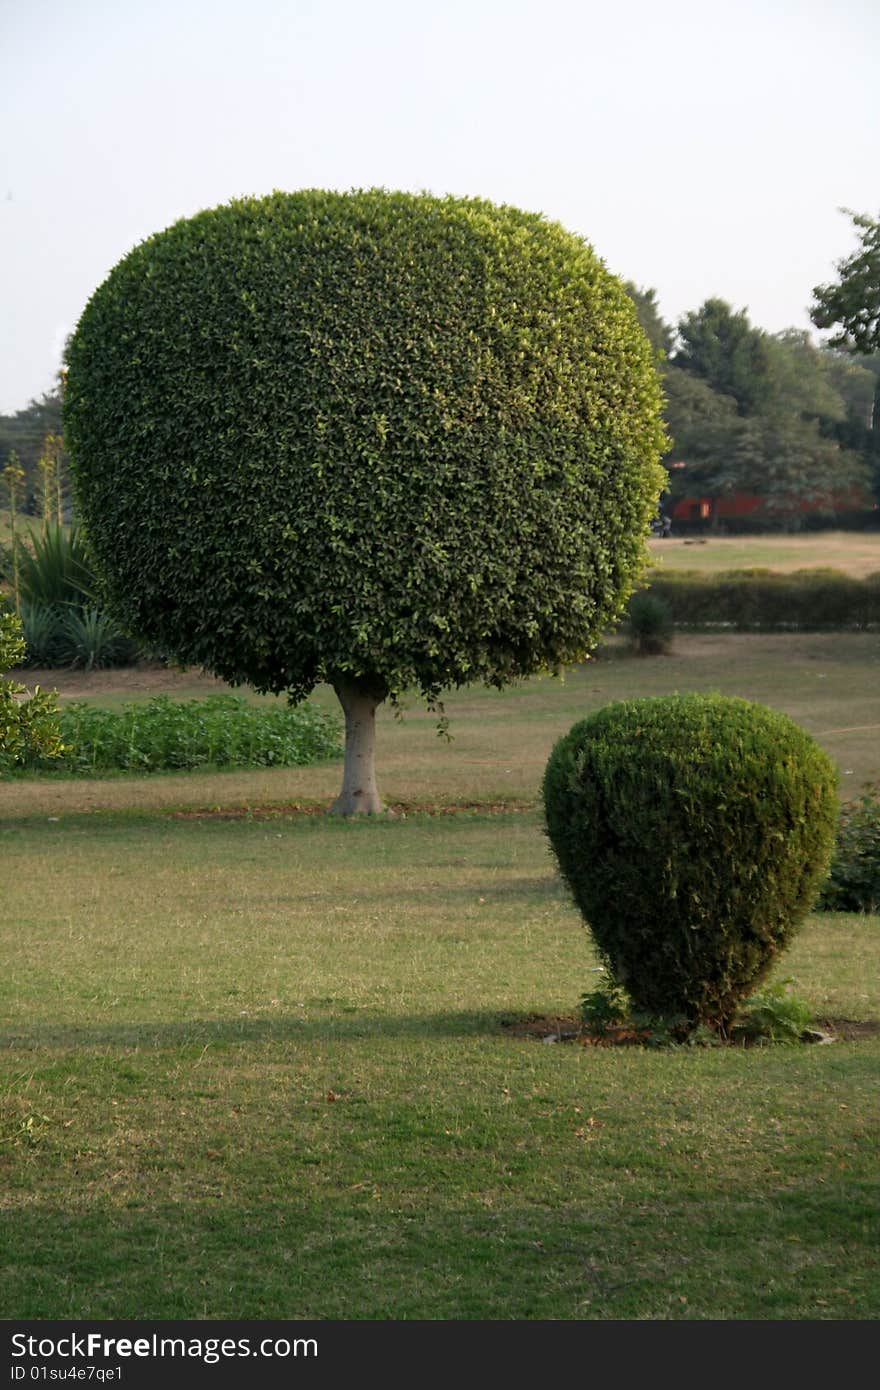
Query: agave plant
{"points": [[91, 639], [43, 633], [53, 567]]}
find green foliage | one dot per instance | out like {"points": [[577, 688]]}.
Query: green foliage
{"points": [[90, 639], [693, 832], [28, 726], [61, 626], [220, 731], [404, 440], [731, 356], [42, 630], [763, 600], [853, 883], [604, 1007], [659, 333], [53, 566], [798, 433], [852, 304], [649, 624], [87, 638], [24, 435], [773, 1014]]}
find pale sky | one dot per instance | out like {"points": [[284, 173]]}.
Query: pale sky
{"points": [[702, 147]]}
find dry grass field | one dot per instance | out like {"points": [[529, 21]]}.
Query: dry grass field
{"points": [[856, 553]]}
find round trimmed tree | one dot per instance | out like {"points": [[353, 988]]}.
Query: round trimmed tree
{"points": [[387, 441]]}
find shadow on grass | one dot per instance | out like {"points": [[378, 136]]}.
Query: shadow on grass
{"points": [[346, 1255], [352, 1023]]}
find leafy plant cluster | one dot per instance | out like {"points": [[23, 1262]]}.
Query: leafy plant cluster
{"points": [[761, 600], [52, 580], [771, 1014], [220, 731], [29, 724], [853, 883], [694, 832]]}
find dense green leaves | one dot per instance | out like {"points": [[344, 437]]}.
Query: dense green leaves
{"points": [[402, 439], [29, 726], [851, 305], [724, 350], [761, 600], [220, 731], [853, 883], [693, 832]]}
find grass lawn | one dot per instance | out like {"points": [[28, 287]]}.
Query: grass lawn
{"points": [[853, 552], [258, 1068], [828, 682]]}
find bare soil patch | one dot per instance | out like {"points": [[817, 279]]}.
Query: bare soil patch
{"points": [[146, 679], [565, 1028]]}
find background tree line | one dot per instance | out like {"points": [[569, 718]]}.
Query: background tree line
{"points": [[33, 460], [768, 414]]}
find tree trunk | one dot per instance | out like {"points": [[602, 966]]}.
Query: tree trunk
{"points": [[359, 700]]}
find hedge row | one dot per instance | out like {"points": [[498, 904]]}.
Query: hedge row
{"points": [[757, 600]]}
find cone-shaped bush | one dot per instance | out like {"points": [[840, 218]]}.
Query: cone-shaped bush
{"points": [[694, 832]]}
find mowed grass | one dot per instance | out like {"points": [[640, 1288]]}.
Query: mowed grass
{"points": [[856, 553], [258, 1068], [828, 682]]}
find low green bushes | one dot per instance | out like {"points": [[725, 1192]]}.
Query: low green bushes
{"points": [[220, 731], [29, 727], [853, 882], [84, 638], [694, 832], [53, 585], [812, 600], [649, 624]]}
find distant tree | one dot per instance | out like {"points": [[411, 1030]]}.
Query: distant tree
{"points": [[852, 303], [780, 454], [13, 486], [660, 334], [731, 356], [26, 433], [705, 430], [789, 462], [385, 441], [802, 380]]}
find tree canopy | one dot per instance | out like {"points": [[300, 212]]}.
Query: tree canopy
{"points": [[383, 440], [728, 353], [851, 304], [771, 415]]}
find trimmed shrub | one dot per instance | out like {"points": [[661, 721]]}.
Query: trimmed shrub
{"points": [[853, 883], [649, 624], [756, 600], [693, 832]]}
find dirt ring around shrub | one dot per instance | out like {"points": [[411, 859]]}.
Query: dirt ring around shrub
{"points": [[553, 1028]]}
